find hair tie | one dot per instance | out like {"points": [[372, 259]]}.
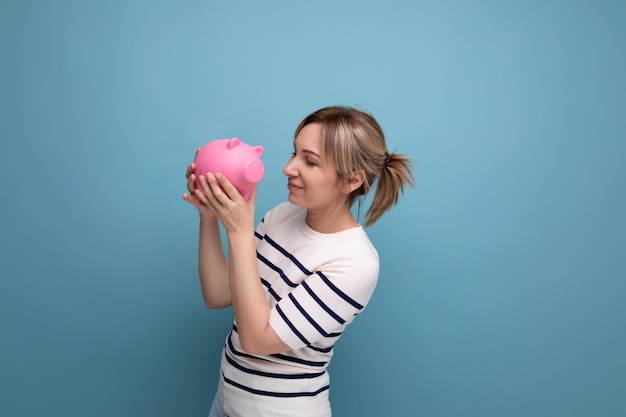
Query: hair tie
{"points": [[387, 159]]}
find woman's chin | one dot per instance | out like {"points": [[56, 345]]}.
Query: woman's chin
{"points": [[294, 200]]}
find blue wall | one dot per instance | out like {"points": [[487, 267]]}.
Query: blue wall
{"points": [[502, 289]]}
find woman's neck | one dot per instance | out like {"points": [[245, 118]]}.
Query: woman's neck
{"points": [[336, 220]]}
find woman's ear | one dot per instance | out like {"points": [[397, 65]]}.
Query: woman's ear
{"points": [[353, 181]]}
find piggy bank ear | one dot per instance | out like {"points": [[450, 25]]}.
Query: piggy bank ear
{"points": [[232, 143], [258, 150]]}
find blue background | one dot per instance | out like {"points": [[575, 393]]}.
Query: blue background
{"points": [[502, 287]]}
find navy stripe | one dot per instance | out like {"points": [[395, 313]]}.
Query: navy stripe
{"points": [[318, 349], [231, 347], [276, 269], [307, 316], [271, 374], [276, 394], [291, 326], [339, 292], [257, 234], [288, 255], [321, 303], [298, 360], [270, 289]]}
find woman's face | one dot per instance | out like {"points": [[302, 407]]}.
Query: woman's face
{"points": [[311, 184]]}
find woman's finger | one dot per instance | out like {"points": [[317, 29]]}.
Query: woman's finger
{"points": [[206, 194], [229, 190], [190, 169], [215, 194], [195, 201], [191, 183], [191, 178], [204, 200]]}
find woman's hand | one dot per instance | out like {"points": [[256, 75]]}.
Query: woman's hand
{"points": [[224, 201], [192, 196]]}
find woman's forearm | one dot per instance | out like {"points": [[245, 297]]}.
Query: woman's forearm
{"points": [[212, 265], [251, 308]]}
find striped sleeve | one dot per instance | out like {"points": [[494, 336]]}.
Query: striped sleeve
{"points": [[323, 304]]}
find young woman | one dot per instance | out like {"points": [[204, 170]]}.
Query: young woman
{"points": [[301, 277]]}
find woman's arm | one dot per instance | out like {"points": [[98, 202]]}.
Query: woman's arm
{"points": [[251, 308], [252, 311], [212, 264]]}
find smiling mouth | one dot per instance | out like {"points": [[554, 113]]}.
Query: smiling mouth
{"points": [[292, 185]]}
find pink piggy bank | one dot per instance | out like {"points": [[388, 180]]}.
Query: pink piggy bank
{"points": [[236, 160]]}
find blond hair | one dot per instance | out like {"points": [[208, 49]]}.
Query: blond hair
{"points": [[352, 139]]}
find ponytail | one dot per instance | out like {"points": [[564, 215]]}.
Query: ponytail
{"points": [[394, 176]]}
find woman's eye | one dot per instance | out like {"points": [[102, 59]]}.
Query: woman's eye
{"points": [[309, 162]]}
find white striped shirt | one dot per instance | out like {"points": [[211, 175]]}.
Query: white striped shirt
{"points": [[316, 285]]}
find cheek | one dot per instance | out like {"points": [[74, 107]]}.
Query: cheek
{"points": [[331, 187]]}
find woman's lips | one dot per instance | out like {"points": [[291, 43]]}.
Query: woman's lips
{"points": [[293, 186]]}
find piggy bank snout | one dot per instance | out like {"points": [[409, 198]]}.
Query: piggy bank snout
{"points": [[254, 171]]}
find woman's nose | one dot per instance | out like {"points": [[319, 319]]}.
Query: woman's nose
{"points": [[290, 169]]}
